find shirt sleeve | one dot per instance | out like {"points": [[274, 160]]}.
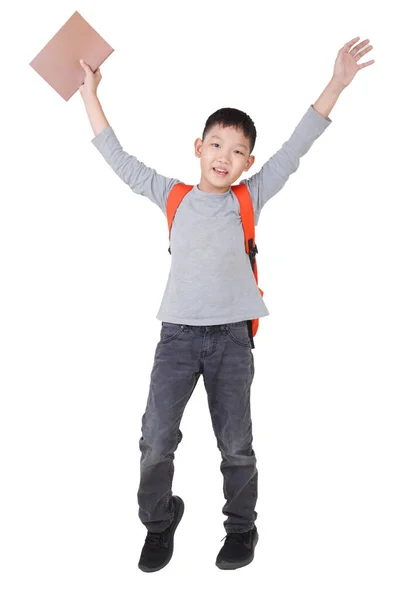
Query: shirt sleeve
{"points": [[277, 170], [140, 178]]}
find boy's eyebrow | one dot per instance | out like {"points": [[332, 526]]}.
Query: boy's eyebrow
{"points": [[218, 138]]}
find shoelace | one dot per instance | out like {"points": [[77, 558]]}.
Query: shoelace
{"points": [[235, 538], [155, 539]]}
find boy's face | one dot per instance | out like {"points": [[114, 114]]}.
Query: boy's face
{"points": [[224, 148]]}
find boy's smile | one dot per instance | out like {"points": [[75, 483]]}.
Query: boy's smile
{"points": [[224, 155]]}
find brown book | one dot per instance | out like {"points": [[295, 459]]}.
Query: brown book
{"points": [[58, 62]]}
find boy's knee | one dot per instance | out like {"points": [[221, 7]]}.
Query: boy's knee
{"points": [[157, 445]]}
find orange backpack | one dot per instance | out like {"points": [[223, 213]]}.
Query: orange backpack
{"points": [[176, 195]]}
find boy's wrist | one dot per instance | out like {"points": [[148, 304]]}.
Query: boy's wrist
{"points": [[328, 98], [89, 96], [337, 85]]}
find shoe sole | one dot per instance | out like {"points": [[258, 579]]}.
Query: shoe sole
{"points": [[227, 566], [180, 507]]}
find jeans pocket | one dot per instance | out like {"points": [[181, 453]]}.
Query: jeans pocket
{"points": [[240, 335], [169, 332]]}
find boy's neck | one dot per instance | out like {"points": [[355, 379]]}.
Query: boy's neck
{"points": [[210, 189]]}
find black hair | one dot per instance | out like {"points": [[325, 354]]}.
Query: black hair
{"points": [[232, 117]]}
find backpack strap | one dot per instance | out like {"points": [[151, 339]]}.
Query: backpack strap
{"points": [[247, 216], [176, 195]]}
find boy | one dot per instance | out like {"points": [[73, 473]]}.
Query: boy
{"points": [[210, 295]]}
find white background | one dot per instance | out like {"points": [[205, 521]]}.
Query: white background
{"points": [[84, 264]]}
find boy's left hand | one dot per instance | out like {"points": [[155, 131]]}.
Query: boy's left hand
{"points": [[346, 62]]}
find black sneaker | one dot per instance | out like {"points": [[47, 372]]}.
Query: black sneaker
{"points": [[158, 547], [238, 550]]}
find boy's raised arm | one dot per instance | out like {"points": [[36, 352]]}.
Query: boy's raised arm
{"points": [[139, 177], [276, 171]]}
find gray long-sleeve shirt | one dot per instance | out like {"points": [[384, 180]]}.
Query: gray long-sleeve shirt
{"points": [[211, 281]]}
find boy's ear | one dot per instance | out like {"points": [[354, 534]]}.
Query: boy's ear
{"points": [[250, 162], [197, 147]]}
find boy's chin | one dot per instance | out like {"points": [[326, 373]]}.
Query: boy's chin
{"points": [[220, 181]]}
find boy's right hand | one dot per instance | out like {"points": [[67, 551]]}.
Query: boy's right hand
{"points": [[91, 82]]}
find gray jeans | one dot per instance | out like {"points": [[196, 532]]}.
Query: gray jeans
{"points": [[223, 355]]}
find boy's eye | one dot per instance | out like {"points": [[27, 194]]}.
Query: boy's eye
{"points": [[215, 144]]}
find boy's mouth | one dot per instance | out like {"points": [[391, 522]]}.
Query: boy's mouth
{"points": [[220, 173]]}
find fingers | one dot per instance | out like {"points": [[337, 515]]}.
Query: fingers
{"points": [[85, 66], [352, 41], [366, 64]]}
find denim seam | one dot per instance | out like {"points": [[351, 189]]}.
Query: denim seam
{"points": [[171, 337], [239, 342]]}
